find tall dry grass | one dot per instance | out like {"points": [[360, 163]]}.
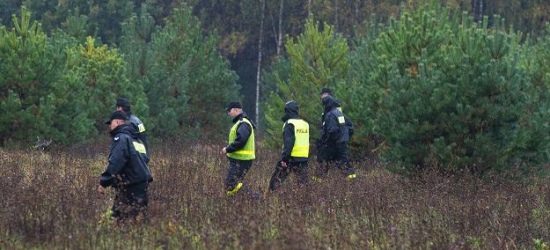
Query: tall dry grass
{"points": [[49, 201]]}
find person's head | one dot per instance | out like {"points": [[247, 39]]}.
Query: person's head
{"points": [[326, 92], [291, 110], [123, 104], [234, 109], [117, 118], [329, 102], [291, 107]]}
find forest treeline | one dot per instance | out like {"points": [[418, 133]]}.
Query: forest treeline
{"points": [[444, 84]]}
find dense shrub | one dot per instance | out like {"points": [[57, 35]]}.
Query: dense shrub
{"points": [[449, 93]]}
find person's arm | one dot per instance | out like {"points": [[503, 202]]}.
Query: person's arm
{"points": [[332, 128], [288, 141], [143, 138], [118, 158]]}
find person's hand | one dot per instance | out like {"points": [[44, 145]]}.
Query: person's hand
{"points": [[224, 151], [100, 189], [283, 165]]}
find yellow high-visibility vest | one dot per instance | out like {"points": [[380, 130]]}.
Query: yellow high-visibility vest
{"points": [[248, 151], [301, 133]]}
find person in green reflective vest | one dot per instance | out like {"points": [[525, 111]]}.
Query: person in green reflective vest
{"points": [[295, 148], [240, 149]]}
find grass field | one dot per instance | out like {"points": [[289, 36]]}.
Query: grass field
{"points": [[49, 201]]}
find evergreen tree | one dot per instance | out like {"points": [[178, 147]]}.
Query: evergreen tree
{"points": [[27, 70], [318, 58], [188, 82], [450, 94]]}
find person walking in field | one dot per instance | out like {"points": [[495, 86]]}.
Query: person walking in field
{"points": [[295, 148], [333, 144], [240, 149], [127, 171], [123, 104]]}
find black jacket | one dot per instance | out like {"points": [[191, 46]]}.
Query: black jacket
{"points": [[335, 130], [243, 132], [126, 165], [141, 135]]}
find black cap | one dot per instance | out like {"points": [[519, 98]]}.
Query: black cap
{"points": [[122, 102], [121, 115], [326, 90], [233, 105]]}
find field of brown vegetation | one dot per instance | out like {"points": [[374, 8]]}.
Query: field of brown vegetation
{"points": [[49, 201]]}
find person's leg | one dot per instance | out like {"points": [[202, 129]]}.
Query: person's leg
{"points": [[301, 170], [137, 194], [343, 162], [237, 171], [278, 177], [323, 167]]}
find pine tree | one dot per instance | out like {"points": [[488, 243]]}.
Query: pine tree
{"points": [[450, 94], [27, 70], [189, 83], [318, 58]]}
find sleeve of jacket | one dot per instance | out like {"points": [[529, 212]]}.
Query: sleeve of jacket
{"points": [[332, 128], [143, 139], [288, 141], [243, 133], [118, 157], [349, 124]]}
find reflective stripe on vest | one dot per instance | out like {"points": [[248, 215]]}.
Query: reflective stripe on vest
{"points": [[247, 152], [301, 134], [140, 148]]}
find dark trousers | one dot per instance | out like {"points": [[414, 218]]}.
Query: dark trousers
{"points": [[236, 173], [335, 155], [300, 169], [131, 202]]}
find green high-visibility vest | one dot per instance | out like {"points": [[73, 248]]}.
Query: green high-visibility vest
{"points": [[248, 151], [301, 134]]}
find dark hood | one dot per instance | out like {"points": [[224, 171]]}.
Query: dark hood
{"points": [[126, 129], [329, 103], [291, 111]]}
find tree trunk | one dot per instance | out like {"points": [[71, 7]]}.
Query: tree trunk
{"points": [[477, 9], [259, 70], [336, 15], [280, 32]]}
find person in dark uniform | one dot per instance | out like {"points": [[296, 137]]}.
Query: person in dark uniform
{"points": [[333, 144], [240, 149], [127, 171], [123, 104], [295, 148]]}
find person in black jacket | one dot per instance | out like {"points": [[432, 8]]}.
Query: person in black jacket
{"points": [[335, 136], [123, 104], [295, 148], [127, 170]]}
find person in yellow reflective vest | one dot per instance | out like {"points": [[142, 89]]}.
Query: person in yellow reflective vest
{"points": [[295, 148], [240, 149]]}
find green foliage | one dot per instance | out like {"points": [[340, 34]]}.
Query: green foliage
{"points": [[188, 82], [27, 72], [54, 88], [318, 58], [451, 95]]}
